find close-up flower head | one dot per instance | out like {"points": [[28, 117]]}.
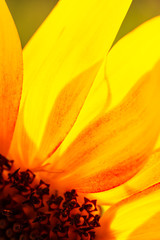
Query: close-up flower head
{"points": [[80, 124]]}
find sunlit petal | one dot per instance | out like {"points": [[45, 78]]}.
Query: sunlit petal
{"points": [[75, 37], [132, 54], [131, 58], [113, 148], [135, 218], [64, 112], [10, 76], [95, 104], [145, 178]]}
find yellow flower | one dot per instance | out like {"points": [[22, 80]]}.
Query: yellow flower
{"points": [[81, 120], [134, 218]]}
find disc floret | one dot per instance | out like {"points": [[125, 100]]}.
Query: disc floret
{"points": [[28, 211]]}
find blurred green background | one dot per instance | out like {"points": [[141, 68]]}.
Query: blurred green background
{"points": [[29, 14]]}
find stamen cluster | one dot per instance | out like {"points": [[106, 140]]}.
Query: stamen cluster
{"points": [[29, 212]]}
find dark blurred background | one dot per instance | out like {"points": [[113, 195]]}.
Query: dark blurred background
{"points": [[29, 14]]}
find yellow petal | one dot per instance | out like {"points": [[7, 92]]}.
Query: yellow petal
{"points": [[148, 230], [10, 77], [146, 177], [135, 218], [157, 146], [64, 112], [113, 148], [62, 117], [95, 104], [133, 54], [132, 57], [75, 37]]}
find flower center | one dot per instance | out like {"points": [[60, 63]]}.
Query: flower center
{"points": [[29, 212]]}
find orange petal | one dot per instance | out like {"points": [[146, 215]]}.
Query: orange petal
{"points": [[138, 50], [135, 218], [62, 117], [75, 37], [95, 104], [10, 77], [113, 148], [65, 111], [146, 177]]}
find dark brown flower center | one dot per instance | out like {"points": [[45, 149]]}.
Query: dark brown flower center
{"points": [[29, 212]]}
